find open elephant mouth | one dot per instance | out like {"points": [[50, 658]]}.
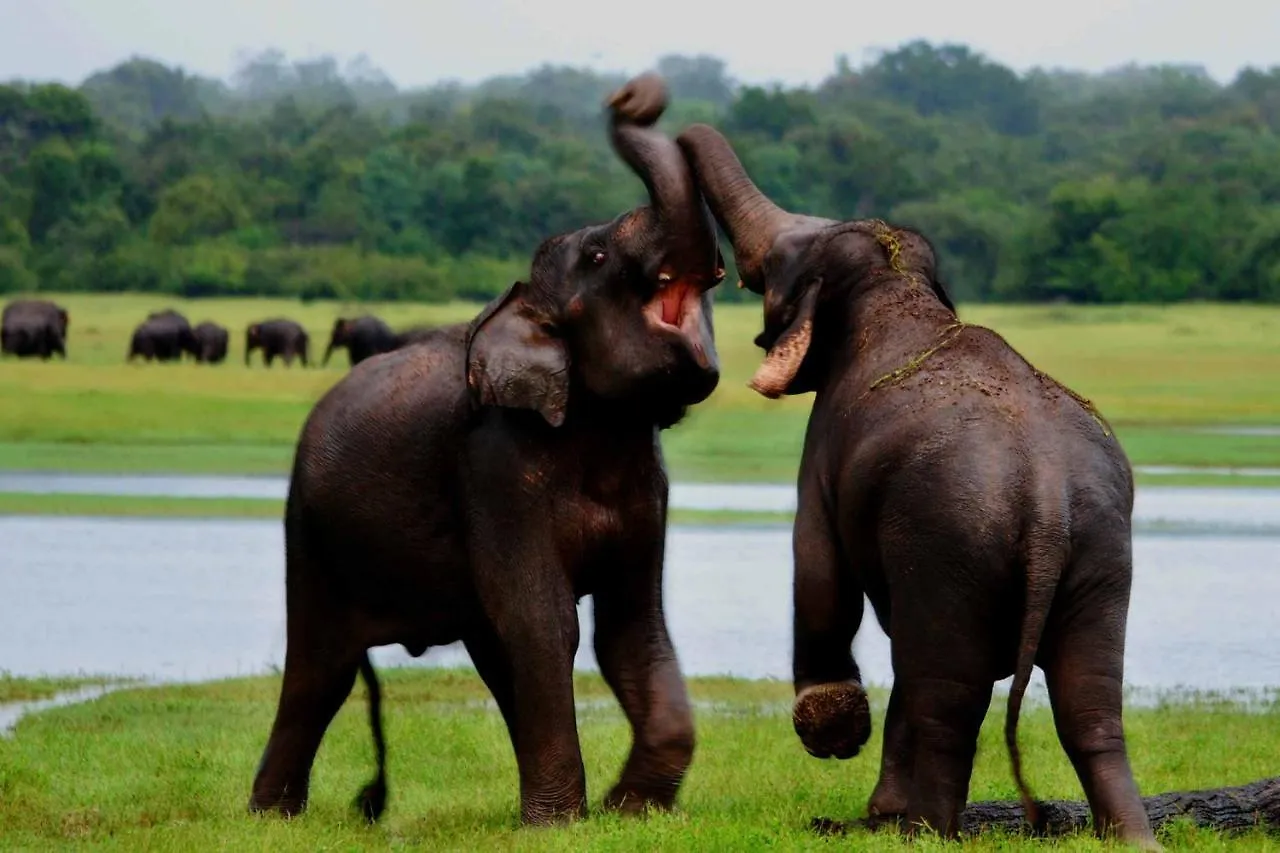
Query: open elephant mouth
{"points": [[676, 311], [672, 303]]}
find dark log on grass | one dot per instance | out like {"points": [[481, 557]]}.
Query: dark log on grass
{"points": [[1237, 809]]}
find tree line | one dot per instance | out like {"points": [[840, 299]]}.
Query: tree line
{"points": [[310, 179]]}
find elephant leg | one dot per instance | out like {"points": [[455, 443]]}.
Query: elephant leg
{"points": [[495, 671], [831, 714], [529, 602], [268, 356], [1084, 670], [897, 759], [316, 683], [637, 660]]}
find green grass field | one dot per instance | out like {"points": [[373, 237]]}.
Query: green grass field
{"points": [[1160, 374], [170, 768]]}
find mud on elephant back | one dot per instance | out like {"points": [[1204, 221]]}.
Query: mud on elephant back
{"points": [[983, 509], [475, 485]]}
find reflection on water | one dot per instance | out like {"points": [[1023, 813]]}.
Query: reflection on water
{"points": [[186, 599]]}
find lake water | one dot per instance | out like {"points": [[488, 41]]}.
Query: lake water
{"points": [[189, 599]]}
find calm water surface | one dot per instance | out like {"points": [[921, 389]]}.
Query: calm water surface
{"points": [[194, 599]]}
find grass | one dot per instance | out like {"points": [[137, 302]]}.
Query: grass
{"points": [[123, 506], [1155, 372], [169, 768], [15, 689]]}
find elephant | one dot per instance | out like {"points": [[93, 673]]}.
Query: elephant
{"points": [[276, 337], [362, 337], [34, 328], [211, 342], [476, 485], [982, 507], [163, 336]]}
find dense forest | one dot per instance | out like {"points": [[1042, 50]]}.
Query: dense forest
{"points": [[314, 179]]}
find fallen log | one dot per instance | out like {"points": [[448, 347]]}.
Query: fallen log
{"points": [[1229, 810]]}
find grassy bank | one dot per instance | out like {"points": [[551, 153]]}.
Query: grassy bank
{"points": [[13, 689], [125, 506], [170, 768], [1158, 373]]}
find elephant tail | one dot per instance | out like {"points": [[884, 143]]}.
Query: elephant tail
{"points": [[373, 798], [1045, 561]]}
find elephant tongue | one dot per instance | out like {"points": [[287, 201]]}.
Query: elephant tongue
{"points": [[672, 299]]}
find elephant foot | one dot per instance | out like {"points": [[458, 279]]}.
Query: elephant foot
{"points": [[372, 800], [832, 719], [888, 802], [629, 801], [285, 805]]}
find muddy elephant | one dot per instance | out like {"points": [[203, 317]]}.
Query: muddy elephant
{"points": [[361, 336], [982, 507], [34, 328], [475, 485], [211, 342], [276, 337], [164, 336]]}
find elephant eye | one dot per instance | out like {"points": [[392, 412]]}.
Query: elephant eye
{"points": [[597, 258]]}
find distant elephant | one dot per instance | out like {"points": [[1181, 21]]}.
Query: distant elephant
{"points": [[984, 509], [278, 337], [362, 337], [163, 336], [34, 328], [211, 342], [475, 485]]}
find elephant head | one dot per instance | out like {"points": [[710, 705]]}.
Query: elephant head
{"points": [[252, 340], [620, 312], [798, 262], [339, 338]]}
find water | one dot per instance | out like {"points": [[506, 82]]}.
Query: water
{"points": [[200, 599]]}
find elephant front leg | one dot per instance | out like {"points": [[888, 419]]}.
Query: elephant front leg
{"points": [[637, 660], [831, 714], [531, 609]]}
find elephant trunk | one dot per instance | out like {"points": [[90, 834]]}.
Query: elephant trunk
{"points": [[747, 215], [685, 227], [328, 351]]}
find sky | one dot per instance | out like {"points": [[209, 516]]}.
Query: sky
{"points": [[418, 42]]}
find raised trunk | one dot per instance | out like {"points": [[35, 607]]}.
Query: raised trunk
{"points": [[747, 215], [1229, 810], [687, 230]]}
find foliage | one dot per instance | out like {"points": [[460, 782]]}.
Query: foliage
{"points": [[313, 179]]}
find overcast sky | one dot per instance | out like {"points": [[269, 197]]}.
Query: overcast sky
{"points": [[422, 41]]}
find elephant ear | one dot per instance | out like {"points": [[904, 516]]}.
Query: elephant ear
{"points": [[513, 359]]}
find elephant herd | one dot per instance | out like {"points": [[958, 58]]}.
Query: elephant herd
{"points": [[37, 328], [475, 486]]}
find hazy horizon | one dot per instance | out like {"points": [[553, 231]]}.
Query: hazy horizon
{"points": [[67, 40]]}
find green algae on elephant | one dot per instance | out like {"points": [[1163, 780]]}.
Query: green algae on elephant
{"points": [[475, 485], [983, 508]]}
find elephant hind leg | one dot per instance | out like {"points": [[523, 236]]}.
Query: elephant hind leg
{"points": [[317, 680], [1083, 667]]}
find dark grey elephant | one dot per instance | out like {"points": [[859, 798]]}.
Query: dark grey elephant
{"points": [[475, 485], [163, 336], [983, 508], [277, 337], [34, 328], [361, 337], [211, 342]]}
